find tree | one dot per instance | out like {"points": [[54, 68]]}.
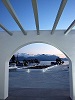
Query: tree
{"points": [[58, 60], [36, 61], [13, 59], [25, 62]]}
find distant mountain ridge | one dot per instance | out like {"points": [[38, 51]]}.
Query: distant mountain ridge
{"points": [[40, 57]]}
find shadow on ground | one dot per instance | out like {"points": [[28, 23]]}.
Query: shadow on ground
{"points": [[37, 94]]}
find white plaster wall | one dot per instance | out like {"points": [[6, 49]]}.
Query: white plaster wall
{"points": [[10, 44]]}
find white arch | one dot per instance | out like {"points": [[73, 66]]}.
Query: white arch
{"points": [[70, 62], [9, 45]]}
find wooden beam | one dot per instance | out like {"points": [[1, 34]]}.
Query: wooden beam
{"points": [[61, 8], [6, 30], [13, 14], [34, 4], [70, 28]]}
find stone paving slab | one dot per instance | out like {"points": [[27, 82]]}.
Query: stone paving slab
{"points": [[31, 98], [36, 85], [37, 94]]}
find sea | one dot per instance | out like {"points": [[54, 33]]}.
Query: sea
{"points": [[49, 62]]}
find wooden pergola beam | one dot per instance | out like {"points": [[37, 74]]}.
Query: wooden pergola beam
{"points": [[61, 8], [13, 14], [70, 28], [34, 4], [6, 30]]}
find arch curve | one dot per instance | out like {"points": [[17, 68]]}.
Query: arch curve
{"points": [[17, 48]]}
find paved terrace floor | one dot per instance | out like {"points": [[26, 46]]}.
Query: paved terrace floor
{"points": [[36, 85], [38, 94]]}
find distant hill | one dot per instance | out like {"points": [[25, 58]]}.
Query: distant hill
{"points": [[21, 56], [44, 57], [40, 57], [64, 59]]}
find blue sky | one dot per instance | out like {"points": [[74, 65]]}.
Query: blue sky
{"points": [[47, 11]]}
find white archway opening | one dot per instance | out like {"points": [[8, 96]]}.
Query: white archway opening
{"points": [[22, 46]]}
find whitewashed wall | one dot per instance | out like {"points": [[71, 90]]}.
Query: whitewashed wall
{"points": [[10, 44]]}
